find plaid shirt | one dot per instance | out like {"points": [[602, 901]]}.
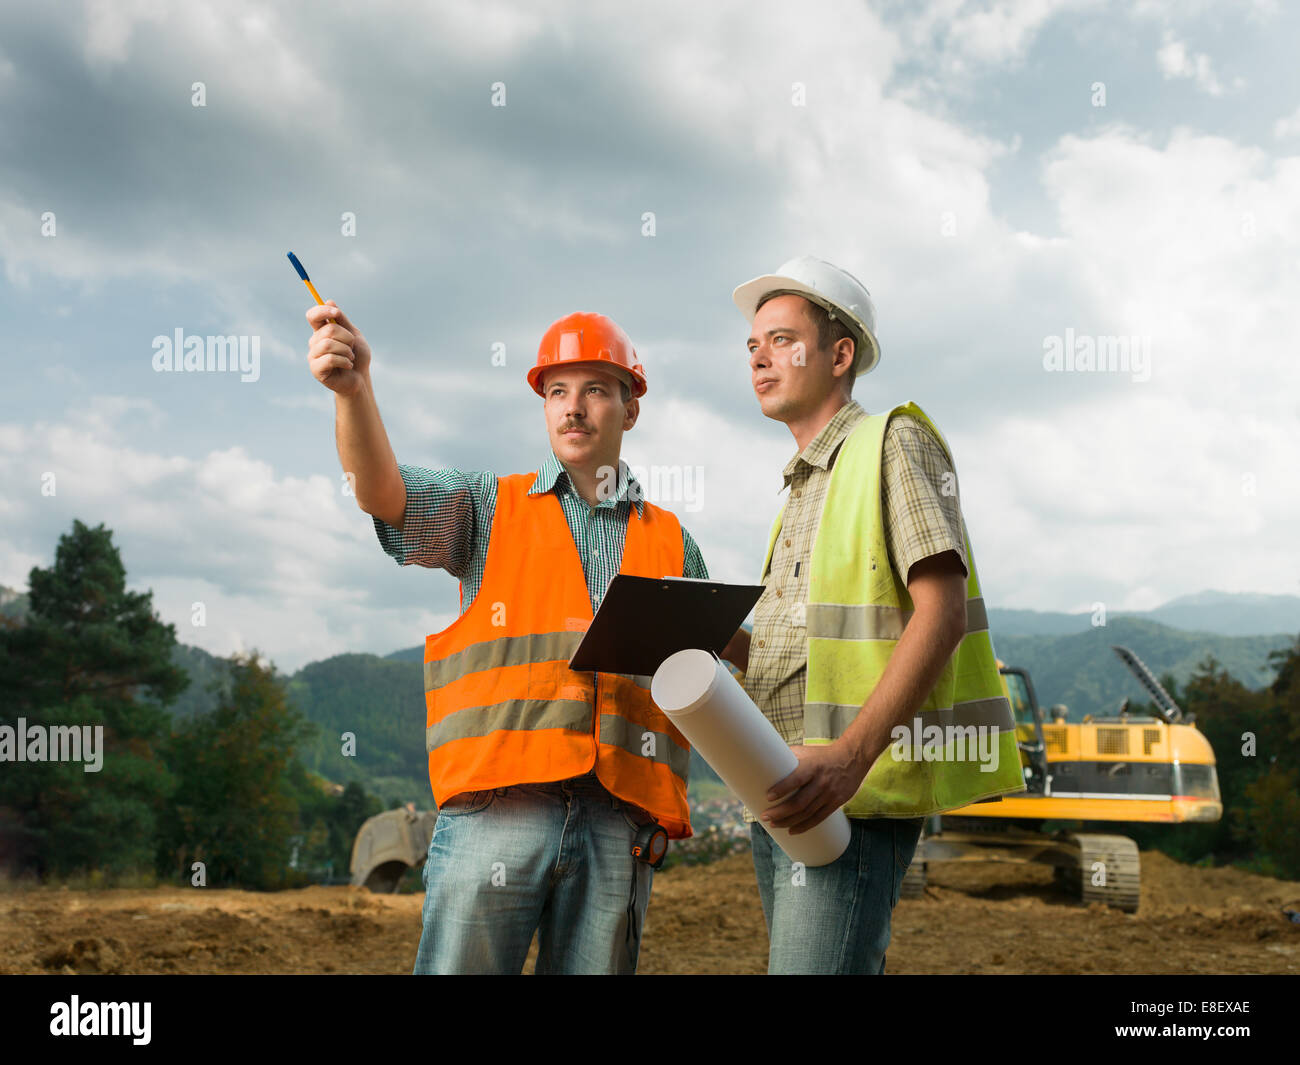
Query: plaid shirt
{"points": [[920, 520], [449, 520]]}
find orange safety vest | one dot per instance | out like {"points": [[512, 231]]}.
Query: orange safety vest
{"points": [[502, 705]]}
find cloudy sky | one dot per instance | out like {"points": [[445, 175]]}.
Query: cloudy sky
{"points": [[1008, 179]]}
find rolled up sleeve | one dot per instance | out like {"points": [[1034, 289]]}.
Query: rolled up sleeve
{"points": [[442, 511], [922, 511]]}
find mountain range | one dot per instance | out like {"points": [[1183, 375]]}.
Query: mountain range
{"points": [[380, 699]]}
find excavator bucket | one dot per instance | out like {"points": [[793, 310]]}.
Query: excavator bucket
{"points": [[389, 844]]}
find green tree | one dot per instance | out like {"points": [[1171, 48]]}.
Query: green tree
{"points": [[235, 809], [349, 813], [1229, 714], [1287, 686], [86, 653], [328, 823], [1270, 814]]}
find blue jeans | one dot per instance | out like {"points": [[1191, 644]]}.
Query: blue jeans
{"points": [[834, 918], [548, 858]]}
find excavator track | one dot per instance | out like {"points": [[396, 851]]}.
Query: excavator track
{"points": [[1108, 870], [913, 886], [1091, 866]]}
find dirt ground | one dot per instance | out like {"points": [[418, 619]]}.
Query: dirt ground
{"points": [[702, 919]]}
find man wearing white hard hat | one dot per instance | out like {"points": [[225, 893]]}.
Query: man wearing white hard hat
{"points": [[870, 632]]}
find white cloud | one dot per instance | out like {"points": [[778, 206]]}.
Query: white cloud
{"points": [[109, 25], [1287, 126], [1127, 493], [1003, 30], [293, 629], [16, 565], [961, 39], [1132, 486], [1174, 62], [286, 563], [72, 256], [1191, 244]]}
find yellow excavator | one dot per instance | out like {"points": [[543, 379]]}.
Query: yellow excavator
{"points": [[1124, 768]]}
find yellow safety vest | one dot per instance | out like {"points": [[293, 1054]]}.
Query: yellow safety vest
{"points": [[960, 746]]}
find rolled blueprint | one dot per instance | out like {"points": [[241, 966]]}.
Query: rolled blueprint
{"points": [[711, 709]]}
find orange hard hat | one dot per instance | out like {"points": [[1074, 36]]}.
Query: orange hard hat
{"points": [[584, 337]]}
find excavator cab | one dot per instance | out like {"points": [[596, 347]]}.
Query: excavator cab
{"points": [[1019, 690]]}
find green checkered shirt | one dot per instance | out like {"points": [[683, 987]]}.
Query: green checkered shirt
{"points": [[449, 520]]}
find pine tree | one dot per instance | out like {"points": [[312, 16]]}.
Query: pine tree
{"points": [[87, 650]]}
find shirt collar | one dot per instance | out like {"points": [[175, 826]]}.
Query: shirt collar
{"points": [[553, 476], [822, 447]]}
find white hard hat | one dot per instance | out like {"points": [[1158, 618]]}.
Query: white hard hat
{"points": [[837, 290]]}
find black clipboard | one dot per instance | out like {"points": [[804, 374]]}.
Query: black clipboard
{"points": [[643, 620]]}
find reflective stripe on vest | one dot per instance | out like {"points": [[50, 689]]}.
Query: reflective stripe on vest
{"points": [[502, 705], [847, 621], [960, 746]]}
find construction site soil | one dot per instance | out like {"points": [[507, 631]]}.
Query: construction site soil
{"points": [[974, 918]]}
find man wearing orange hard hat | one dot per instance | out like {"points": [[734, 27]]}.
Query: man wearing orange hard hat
{"points": [[545, 778]]}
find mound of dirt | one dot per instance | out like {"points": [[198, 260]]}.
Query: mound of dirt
{"points": [[997, 918]]}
